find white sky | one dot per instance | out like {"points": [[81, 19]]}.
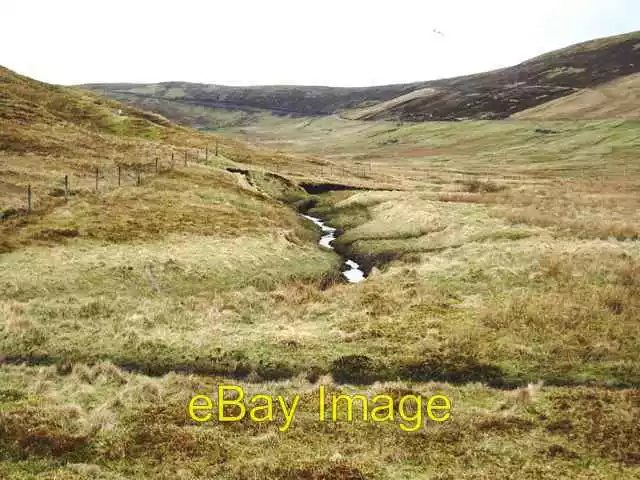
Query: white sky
{"points": [[307, 42]]}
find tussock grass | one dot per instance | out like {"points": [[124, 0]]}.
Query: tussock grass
{"points": [[519, 303], [138, 428]]}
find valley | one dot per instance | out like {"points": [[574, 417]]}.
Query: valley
{"points": [[502, 270]]}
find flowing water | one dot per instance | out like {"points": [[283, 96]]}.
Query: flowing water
{"points": [[352, 273]]}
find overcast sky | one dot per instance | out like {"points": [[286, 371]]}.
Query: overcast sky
{"points": [[310, 42]]}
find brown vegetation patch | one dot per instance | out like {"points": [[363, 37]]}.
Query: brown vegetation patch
{"points": [[55, 234], [558, 451], [602, 421], [27, 432], [320, 471]]}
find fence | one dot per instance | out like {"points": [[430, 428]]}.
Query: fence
{"points": [[357, 170], [104, 178]]}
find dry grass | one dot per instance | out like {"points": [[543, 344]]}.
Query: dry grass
{"points": [[126, 302], [611, 100], [127, 425]]}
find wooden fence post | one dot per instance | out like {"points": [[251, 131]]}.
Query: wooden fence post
{"points": [[118, 175], [172, 161], [206, 154], [138, 174], [216, 148], [156, 165], [185, 159], [97, 174], [29, 198], [66, 188]]}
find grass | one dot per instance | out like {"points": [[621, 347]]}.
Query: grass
{"points": [[99, 422], [613, 99], [486, 277]]}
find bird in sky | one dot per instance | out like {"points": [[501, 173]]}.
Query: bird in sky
{"points": [[438, 32]]}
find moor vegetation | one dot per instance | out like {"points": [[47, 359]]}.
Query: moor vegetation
{"points": [[503, 271]]}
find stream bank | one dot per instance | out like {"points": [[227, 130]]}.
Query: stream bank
{"points": [[300, 196], [353, 273]]}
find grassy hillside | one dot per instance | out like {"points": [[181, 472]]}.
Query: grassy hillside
{"points": [[499, 256], [27, 106], [616, 99], [491, 95]]}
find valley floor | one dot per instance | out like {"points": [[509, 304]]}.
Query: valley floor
{"points": [[499, 257]]}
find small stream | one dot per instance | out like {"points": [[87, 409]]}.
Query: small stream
{"points": [[352, 273]]}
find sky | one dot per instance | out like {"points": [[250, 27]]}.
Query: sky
{"points": [[288, 42]]}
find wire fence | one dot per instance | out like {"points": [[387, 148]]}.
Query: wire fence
{"points": [[99, 180]]}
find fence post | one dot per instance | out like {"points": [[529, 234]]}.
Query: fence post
{"points": [[185, 159], [138, 175], [118, 175], [66, 188], [171, 160], [206, 154], [97, 174], [29, 198], [216, 148], [156, 165]]}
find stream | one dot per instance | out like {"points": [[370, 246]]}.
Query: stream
{"points": [[353, 273]]}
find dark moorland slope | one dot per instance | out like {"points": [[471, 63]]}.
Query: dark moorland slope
{"points": [[491, 95]]}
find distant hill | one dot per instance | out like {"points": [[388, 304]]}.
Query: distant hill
{"points": [[504, 92], [172, 97], [617, 99], [491, 95]]}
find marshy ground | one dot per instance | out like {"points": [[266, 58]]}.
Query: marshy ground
{"points": [[499, 257]]}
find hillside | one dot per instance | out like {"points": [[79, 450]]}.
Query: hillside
{"points": [[491, 95], [503, 92], [171, 98], [107, 150], [617, 99], [36, 118], [503, 273]]}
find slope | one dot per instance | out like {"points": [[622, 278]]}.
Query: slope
{"points": [[131, 176], [29, 106], [283, 100], [503, 92], [617, 99]]}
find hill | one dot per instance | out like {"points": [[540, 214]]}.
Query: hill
{"points": [[182, 100], [28, 101], [617, 99], [491, 95], [122, 169], [503, 92]]}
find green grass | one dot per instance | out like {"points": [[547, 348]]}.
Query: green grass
{"points": [[491, 273], [448, 151]]}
